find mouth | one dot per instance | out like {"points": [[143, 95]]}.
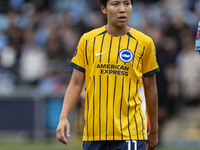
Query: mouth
{"points": [[122, 18]]}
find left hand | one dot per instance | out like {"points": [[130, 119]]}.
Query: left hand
{"points": [[152, 140]]}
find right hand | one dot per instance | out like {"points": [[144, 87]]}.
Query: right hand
{"points": [[60, 131]]}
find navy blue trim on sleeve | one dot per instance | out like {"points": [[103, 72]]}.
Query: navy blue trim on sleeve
{"points": [[104, 32], [77, 67], [151, 72]]}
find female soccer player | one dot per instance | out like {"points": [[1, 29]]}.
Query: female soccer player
{"points": [[118, 65]]}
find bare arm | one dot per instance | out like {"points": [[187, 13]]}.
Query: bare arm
{"points": [[71, 96], [150, 88]]}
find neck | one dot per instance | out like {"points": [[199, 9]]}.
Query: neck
{"points": [[117, 31]]}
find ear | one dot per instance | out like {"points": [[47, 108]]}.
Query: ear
{"points": [[103, 9]]}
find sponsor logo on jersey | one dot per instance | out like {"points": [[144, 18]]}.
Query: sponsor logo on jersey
{"points": [[126, 55], [113, 69], [99, 54]]}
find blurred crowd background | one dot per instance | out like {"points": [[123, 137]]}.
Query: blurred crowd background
{"points": [[38, 39]]}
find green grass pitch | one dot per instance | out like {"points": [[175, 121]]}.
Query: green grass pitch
{"points": [[58, 146]]}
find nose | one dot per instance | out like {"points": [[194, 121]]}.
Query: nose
{"points": [[121, 9]]}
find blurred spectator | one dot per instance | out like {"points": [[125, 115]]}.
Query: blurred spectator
{"points": [[32, 65], [8, 57], [54, 48], [188, 70], [33, 60], [3, 40], [16, 4], [15, 38]]}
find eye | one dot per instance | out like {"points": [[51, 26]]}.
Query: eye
{"points": [[127, 3], [114, 4]]}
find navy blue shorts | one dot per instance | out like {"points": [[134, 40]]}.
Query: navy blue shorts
{"points": [[114, 145]]}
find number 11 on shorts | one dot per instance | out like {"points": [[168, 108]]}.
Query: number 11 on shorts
{"points": [[129, 144]]}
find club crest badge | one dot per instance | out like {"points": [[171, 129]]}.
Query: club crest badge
{"points": [[126, 55]]}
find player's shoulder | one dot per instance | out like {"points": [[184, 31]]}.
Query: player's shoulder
{"points": [[95, 32], [140, 36]]}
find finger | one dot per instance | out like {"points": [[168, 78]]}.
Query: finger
{"points": [[61, 136], [58, 136], [68, 130], [63, 140]]}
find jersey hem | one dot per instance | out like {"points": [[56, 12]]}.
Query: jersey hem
{"points": [[77, 67], [151, 72], [96, 138]]}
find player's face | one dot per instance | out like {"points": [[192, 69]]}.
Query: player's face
{"points": [[118, 12]]}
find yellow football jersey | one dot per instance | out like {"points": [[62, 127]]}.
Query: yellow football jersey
{"points": [[115, 107]]}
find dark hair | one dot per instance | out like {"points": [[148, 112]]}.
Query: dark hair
{"points": [[104, 2]]}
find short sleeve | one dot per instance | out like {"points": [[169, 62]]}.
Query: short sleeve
{"points": [[150, 65], [78, 60], [197, 43]]}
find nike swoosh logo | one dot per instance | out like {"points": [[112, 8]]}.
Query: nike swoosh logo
{"points": [[99, 54]]}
